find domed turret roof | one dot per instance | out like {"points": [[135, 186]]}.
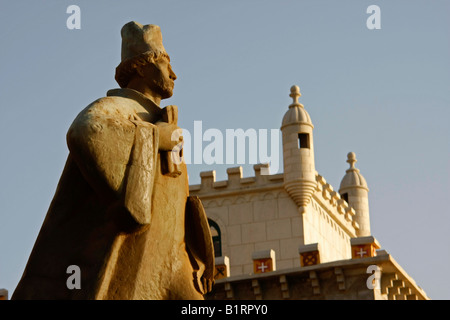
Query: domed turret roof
{"points": [[296, 113], [353, 178]]}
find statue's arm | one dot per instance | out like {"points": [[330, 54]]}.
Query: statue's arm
{"points": [[199, 244], [117, 157]]}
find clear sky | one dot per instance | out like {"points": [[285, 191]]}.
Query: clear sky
{"points": [[383, 94]]}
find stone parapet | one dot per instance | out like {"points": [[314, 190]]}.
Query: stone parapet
{"points": [[344, 279], [336, 207], [235, 182]]}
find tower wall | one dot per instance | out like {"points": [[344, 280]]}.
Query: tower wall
{"points": [[358, 198]]}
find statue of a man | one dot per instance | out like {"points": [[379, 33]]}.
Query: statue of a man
{"points": [[121, 212]]}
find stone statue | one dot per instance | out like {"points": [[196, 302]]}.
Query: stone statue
{"points": [[122, 211]]}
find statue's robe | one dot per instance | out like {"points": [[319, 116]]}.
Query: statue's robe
{"points": [[119, 215]]}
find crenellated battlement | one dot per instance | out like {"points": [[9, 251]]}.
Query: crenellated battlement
{"points": [[333, 203], [236, 181], [325, 196]]}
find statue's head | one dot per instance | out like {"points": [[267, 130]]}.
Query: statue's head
{"points": [[145, 59]]}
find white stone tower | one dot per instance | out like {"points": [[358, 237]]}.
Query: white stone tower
{"points": [[298, 152], [354, 190]]}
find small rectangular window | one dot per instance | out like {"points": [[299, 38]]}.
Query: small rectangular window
{"points": [[345, 197], [303, 140]]}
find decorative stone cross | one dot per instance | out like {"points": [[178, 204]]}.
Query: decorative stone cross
{"points": [[263, 267], [361, 252]]}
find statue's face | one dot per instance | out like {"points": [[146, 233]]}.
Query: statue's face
{"points": [[160, 77]]}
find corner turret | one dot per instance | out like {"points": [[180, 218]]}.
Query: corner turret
{"points": [[354, 190], [298, 152]]}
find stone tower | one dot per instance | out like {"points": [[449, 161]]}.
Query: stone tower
{"points": [[298, 152], [354, 190]]}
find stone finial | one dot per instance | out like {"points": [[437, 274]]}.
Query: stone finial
{"points": [[353, 178], [351, 159], [295, 94]]}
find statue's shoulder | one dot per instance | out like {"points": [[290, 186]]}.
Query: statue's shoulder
{"points": [[110, 106], [111, 110], [120, 108], [122, 103]]}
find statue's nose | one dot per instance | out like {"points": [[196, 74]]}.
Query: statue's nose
{"points": [[172, 75]]}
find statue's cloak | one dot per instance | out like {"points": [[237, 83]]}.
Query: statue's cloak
{"points": [[119, 216]]}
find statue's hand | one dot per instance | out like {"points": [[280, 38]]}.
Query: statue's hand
{"points": [[169, 138]]}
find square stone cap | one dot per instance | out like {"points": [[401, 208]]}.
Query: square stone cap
{"points": [[4, 292], [223, 260], [365, 240], [264, 254], [308, 247], [207, 174]]}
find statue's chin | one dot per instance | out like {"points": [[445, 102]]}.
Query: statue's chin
{"points": [[167, 93]]}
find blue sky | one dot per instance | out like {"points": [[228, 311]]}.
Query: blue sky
{"points": [[383, 94]]}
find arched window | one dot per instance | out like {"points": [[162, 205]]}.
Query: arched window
{"points": [[216, 238]]}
